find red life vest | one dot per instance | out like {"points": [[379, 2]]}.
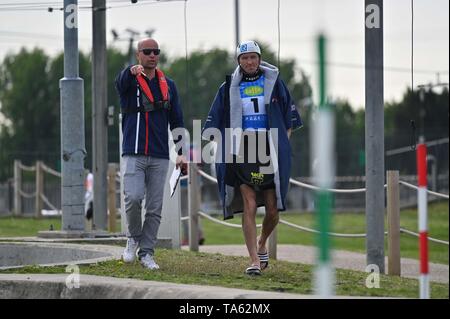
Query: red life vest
{"points": [[151, 104], [163, 86]]}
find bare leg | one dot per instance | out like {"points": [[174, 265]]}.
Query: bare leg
{"points": [[270, 219], [249, 222]]}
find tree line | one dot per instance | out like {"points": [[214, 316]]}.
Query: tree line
{"points": [[30, 108]]}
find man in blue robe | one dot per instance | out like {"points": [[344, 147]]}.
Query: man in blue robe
{"points": [[251, 119]]}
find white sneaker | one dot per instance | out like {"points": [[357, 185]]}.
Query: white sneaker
{"points": [[129, 254], [148, 262]]}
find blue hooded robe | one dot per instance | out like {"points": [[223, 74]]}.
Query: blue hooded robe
{"points": [[226, 114]]}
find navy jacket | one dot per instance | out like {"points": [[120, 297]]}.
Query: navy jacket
{"points": [[149, 128]]}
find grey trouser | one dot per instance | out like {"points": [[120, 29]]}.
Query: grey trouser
{"points": [[144, 176]]}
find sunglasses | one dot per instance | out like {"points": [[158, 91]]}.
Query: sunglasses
{"points": [[149, 51]]}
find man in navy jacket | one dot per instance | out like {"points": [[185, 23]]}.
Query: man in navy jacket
{"points": [[149, 105], [253, 102]]}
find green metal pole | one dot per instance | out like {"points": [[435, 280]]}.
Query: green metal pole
{"points": [[323, 153]]}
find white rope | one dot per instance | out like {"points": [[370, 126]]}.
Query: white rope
{"points": [[437, 194], [27, 195], [118, 177], [409, 148], [316, 232], [184, 218], [205, 175], [222, 222], [333, 190], [46, 201], [50, 170], [298, 183], [439, 241], [27, 168], [402, 230], [428, 191]]}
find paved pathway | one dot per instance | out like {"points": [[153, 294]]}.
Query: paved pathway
{"points": [[341, 259]]}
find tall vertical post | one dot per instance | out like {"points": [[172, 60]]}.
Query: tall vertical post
{"points": [[374, 133], [323, 153], [17, 186], [131, 58], [194, 206], [112, 170], [170, 226], [72, 126], [273, 239], [99, 114], [236, 20], [39, 189], [123, 216], [423, 218], [393, 214]]}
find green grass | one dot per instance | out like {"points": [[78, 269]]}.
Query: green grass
{"points": [[214, 269], [26, 226], [438, 220], [30, 226], [216, 234], [187, 267]]}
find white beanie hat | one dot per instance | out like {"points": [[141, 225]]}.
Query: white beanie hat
{"points": [[247, 47]]}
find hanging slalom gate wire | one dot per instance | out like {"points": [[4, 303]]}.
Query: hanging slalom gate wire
{"points": [[186, 57], [279, 36], [412, 45], [82, 5]]}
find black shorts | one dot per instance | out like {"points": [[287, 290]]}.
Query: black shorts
{"points": [[245, 172]]}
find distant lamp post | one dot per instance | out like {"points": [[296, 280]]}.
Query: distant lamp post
{"points": [[130, 37], [150, 32], [115, 34], [133, 34]]}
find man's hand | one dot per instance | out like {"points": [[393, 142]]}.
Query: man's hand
{"points": [[182, 163], [289, 131], [136, 69]]}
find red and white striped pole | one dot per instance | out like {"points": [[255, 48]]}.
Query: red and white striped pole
{"points": [[423, 228]]}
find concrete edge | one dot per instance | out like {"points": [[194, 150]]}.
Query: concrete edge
{"points": [[41, 286], [113, 253], [163, 242]]}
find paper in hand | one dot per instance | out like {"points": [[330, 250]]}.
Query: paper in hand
{"points": [[174, 178]]}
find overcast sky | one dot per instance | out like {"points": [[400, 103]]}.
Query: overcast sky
{"points": [[211, 24]]}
